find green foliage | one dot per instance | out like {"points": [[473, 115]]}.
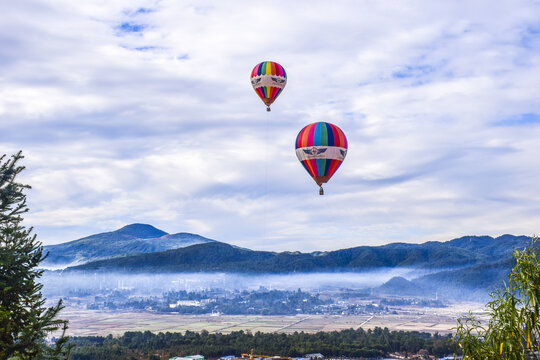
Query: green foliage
{"points": [[216, 256], [351, 343], [513, 331], [24, 319]]}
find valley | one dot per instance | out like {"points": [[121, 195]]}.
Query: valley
{"points": [[185, 282], [406, 318]]}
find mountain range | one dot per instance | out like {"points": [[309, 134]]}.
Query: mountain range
{"points": [[141, 248], [218, 256], [457, 267]]}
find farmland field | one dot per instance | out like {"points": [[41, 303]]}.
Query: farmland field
{"points": [[99, 322]]}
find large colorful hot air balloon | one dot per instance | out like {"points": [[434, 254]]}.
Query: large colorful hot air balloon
{"points": [[268, 79], [321, 147]]}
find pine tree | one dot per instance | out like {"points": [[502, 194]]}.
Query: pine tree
{"points": [[25, 321]]}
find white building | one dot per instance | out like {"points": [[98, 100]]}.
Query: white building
{"points": [[190, 357]]}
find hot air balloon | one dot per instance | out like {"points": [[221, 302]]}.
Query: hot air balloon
{"points": [[321, 147], [268, 79]]}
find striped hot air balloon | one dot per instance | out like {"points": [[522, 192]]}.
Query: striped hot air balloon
{"points": [[321, 148], [268, 79]]}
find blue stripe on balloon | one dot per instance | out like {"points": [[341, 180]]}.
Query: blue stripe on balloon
{"points": [[328, 162], [317, 135], [320, 167], [330, 135]]}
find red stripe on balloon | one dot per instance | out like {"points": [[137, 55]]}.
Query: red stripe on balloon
{"points": [[333, 167], [260, 93], [313, 163], [303, 139], [271, 91], [311, 135], [309, 167], [342, 138]]}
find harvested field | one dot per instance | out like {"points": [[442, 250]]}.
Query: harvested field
{"points": [[96, 322]]}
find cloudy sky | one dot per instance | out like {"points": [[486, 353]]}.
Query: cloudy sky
{"points": [[142, 111]]}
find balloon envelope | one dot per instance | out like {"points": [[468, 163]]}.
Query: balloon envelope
{"points": [[321, 148], [268, 80]]}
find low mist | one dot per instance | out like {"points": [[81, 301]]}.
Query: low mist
{"points": [[72, 283]]}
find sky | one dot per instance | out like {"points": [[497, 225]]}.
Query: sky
{"points": [[142, 111]]}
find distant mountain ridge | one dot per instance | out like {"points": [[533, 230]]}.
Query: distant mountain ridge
{"points": [[216, 256], [129, 240], [472, 282], [466, 267]]}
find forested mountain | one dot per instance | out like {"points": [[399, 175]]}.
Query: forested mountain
{"points": [[131, 239], [492, 247], [474, 281], [216, 256]]}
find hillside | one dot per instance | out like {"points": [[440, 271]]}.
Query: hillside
{"points": [[474, 281], [493, 247], [129, 240], [216, 256]]}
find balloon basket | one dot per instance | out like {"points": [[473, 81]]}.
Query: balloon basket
{"points": [[268, 108], [321, 191]]}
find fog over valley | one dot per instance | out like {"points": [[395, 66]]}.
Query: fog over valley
{"points": [[140, 278], [142, 261], [58, 283]]}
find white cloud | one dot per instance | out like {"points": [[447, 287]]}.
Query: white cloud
{"points": [[143, 112]]}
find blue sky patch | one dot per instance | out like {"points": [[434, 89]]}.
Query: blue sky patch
{"points": [[146, 48], [131, 28], [143, 11], [519, 120], [139, 11], [412, 71], [529, 38]]}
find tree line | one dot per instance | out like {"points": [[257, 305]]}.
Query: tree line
{"points": [[370, 343]]}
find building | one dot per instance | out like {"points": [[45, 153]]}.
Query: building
{"points": [[190, 357]]}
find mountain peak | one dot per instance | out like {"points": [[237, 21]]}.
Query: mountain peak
{"points": [[141, 231]]}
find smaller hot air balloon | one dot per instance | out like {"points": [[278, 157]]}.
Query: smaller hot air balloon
{"points": [[321, 147], [268, 79]]}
